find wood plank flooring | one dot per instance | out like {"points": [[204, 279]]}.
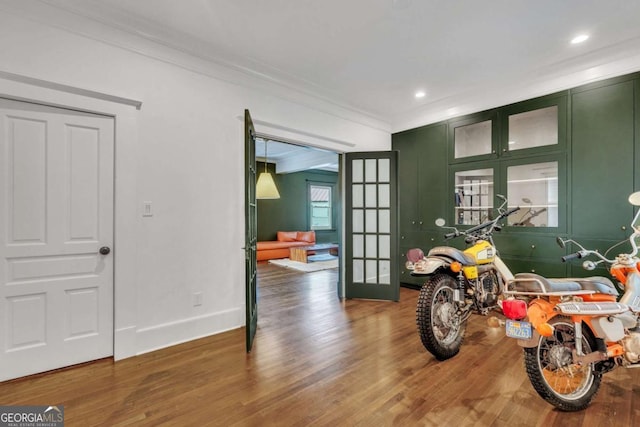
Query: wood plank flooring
{"points": [[319, 361]]}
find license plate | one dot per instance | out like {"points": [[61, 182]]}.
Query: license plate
{"points": [[520, 330]]}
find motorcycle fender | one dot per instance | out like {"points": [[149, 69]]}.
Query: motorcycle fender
{"points": [[540, 311], [430, 266]]}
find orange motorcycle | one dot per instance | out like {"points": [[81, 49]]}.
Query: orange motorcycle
{"points": [[575, 330]]}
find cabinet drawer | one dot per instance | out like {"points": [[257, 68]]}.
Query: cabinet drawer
{"points": [[536, 265], [424, 240], [407, 279], [411, 239], [528, 245]]}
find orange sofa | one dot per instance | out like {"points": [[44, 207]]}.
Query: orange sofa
{"points": [[286, 239]]}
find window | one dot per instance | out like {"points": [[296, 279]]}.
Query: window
{"points": [[320, 207]]}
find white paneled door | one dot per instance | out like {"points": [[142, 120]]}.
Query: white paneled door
{"points": [[56, 236]]}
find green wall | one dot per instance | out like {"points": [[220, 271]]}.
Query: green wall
{"points": [[599, 166], [290, 213]]}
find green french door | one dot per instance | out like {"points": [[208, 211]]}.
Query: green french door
{"points": [[251, 230], [371, 226]]}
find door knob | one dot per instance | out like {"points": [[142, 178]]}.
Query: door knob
{"points": [[105, 250]]}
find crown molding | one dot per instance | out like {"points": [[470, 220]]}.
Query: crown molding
{"points": [[188, 54]]}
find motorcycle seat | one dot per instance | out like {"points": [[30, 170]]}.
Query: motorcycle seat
{"points": [[530, 282], [452, 253], [599, 284]]}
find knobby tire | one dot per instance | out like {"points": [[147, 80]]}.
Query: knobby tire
{"points": [[435, 295]]}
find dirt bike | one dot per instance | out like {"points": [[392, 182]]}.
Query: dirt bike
{"points": [[576, 329], [458, 284]]}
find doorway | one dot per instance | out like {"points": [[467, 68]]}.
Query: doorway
{"points": [[308, 180], [298, 171]]}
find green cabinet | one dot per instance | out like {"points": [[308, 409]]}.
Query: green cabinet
{"points": [[422, 182], [408, 145], [424, 240], [570, 157], [602, 150], [534, 265], [532, 245], [422, 176]]}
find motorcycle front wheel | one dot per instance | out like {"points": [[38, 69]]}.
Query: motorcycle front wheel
{"points": [[439, 323], [553, 373]]}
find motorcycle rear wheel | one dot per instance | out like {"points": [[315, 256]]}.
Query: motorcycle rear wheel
{"points": [[439, 324], [554, 375]]}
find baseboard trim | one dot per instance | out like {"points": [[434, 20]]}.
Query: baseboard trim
{"points": [[124, 343], [181, 331]]}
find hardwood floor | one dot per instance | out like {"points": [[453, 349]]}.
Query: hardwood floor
{"points": [[322, 362]]}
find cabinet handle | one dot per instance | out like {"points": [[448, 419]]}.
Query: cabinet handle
{"points": [[623, 228], [413, 222], [533, 270], [504, 150], [420, 222], [533, 246]]}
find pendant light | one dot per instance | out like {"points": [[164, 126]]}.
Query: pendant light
{"points": [[266, 187]]}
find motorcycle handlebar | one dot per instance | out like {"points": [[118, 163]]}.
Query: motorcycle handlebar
{"points": [[493, 222], [480, 227], [512, 210], [571, 256]]}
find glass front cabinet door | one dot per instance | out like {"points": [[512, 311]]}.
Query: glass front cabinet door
{"points": [[473, 195]]}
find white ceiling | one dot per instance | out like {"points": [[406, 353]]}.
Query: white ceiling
{"points": [[290, 158], [373, 55]]}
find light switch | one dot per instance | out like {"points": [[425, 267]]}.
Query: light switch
{"points": [[197, 299], [147, 209]]}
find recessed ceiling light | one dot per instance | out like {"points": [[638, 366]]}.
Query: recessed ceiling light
{"points": [[420, 94], [579, 39]]}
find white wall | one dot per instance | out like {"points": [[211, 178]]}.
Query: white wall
{"points": [[183, 151]]}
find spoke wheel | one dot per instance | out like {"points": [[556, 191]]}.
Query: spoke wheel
{"points": [[554, 374], [439, 323]]}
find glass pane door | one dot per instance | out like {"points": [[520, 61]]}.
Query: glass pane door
{"points": [[371, 226]]}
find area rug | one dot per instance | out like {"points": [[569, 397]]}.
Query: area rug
{"points": [[308, 267]]}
